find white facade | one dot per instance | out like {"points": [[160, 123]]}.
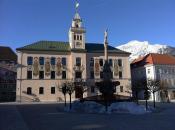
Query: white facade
{"points": [[164, 73]]}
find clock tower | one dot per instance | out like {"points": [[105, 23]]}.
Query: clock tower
{"points": [[77, 32]]}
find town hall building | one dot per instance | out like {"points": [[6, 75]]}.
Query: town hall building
{"points": [[45, 66]]}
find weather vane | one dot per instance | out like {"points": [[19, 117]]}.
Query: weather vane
{"points": [[77, 5]]}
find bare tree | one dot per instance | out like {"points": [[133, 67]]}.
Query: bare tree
{"points": [[137, 87], [70, 89], [153, 86], [164, 91], [63, 89]]}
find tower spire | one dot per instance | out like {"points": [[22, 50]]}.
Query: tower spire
{"points": [[76, 6]]}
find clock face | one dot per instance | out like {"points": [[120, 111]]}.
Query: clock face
{"points": [[78, 44]]}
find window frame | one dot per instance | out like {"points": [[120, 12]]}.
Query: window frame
{"points": [[41, 90], [29, 60], [41, 60], [51, 90]]}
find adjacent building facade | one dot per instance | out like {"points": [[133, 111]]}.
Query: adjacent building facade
{"points": [[157, 67], [8, 61], [45, 65]]}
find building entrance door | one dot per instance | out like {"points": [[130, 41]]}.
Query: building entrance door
{"points": [[78, 92]]}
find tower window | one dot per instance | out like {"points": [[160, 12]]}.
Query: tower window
{"points": [[80, 37], [76, 25], [78, 61], [74, 37], [77, 37], [41, 90]]}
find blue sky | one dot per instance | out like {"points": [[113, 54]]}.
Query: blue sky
{"points": [[25, 21]]}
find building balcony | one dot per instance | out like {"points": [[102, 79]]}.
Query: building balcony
{"points": [[79, 68]]}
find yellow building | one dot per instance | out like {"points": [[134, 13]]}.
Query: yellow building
{"points": [[46, 65]]}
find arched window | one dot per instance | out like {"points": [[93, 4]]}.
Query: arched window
{"points": [[77, 37], [76, 25], [41, 90], [29, 90]]}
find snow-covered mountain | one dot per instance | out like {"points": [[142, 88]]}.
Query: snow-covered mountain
{"points": [[138, 48]]}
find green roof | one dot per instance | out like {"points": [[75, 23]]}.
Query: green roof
{"points": [[64, 47]]}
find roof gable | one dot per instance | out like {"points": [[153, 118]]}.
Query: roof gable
{"points": [[156, 59]]}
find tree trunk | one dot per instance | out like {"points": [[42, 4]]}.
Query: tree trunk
{"points": [[154, 99], [64, 100], [70, 105], [106, 103]]}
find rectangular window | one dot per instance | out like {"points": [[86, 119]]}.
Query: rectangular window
{"points": [[63, 74], [52, 90], [148, 71], [29, 74], [30, 60], [52, 60], [63, 61], [41, 74], [41, 90], [41, 60], [29, 90], [77, 37], [92, 89], [120, 62], [92, 62], [74, 37], [78, 75], [110, 62], [52, 74], [101, 75], [92, 74], [120, 75], [80, 37], [101, 62], [78, 61], [121, 88]]}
